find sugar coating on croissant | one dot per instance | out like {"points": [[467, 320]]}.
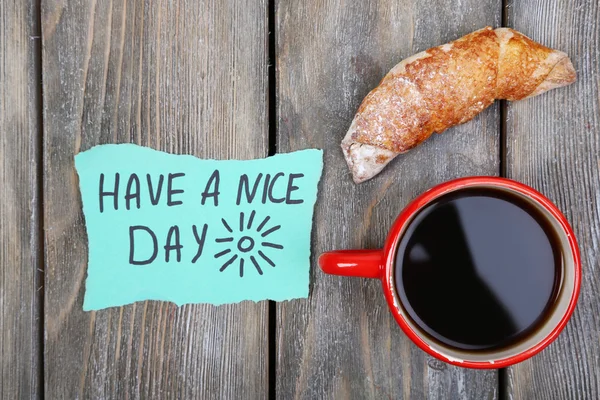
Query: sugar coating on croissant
{"points": [[446, 86]]}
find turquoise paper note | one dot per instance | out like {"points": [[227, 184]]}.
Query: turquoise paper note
{"points": [[181, 229]]}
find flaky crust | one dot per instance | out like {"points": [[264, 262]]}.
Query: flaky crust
{"points": [[446, 86]]}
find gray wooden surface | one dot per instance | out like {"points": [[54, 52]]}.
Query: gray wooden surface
{"points": [[553, 144], [193, 77], [342, 342], [20, 246], [185, 77]]}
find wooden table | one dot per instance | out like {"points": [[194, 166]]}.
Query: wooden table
{"points": [[244, 79]]}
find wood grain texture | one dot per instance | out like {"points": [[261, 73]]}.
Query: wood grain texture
{"points": [[20, 245], [181, 76], [342, 342], [553, 144]]}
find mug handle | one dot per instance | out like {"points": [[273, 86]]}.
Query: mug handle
{"points": [[359, 263]]}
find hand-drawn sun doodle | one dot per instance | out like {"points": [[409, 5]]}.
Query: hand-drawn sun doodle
{"points": [[244, 246]]}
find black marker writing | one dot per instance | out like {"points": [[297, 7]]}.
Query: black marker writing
{"points": [[266, 188], [154, 196], [244, 185], [171, 191], [200, 240], [270, 191], [273, 190], [105, 194], [213, 180], [129, 195], [132, 229], [169, 246], [291, 188]]}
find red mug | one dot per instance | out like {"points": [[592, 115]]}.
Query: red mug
{"points": [[380, 264]]}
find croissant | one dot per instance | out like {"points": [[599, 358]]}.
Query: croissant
{"points": [[446, 86]]}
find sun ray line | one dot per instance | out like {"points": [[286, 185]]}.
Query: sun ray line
{"points": [[262, 224], [273, 229], [273, 245], [267, 259], [223, 240], [228, 263], [256, 265], [241, 267], [241, 222], [226, 225], [252, 214], [222, 253]]}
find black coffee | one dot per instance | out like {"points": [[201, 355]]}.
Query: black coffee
{"points": [[478, 269]]}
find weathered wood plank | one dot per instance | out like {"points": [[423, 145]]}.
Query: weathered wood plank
{"points": [[342, 342], [553, 144], [181, 76], [20, 239]]}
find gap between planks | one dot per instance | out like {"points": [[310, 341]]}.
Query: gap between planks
{"points": [[272, 149], [39, 193]]}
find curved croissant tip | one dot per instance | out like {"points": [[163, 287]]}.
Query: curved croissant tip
{"points": [[562, 74], [365, 161]]}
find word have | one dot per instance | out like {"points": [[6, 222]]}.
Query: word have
{"points": [[274, 189]]}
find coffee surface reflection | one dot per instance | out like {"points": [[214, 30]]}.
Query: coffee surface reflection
{"points": [[478, 269]]}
